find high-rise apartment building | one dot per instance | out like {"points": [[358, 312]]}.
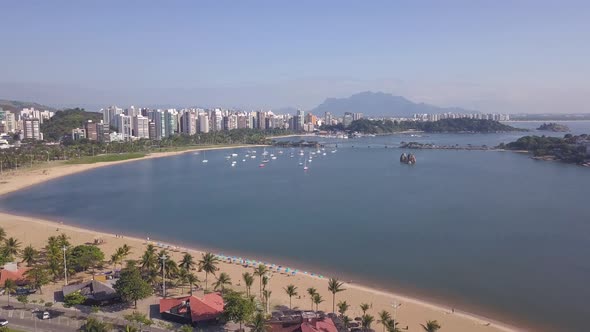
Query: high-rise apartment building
{"points": [[140, 126], [31, 129], [203, 123], [124, 126], [91, 130]]}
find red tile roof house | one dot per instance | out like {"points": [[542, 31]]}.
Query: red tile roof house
{"points": [[307, 322], [192, 309], [311, 325], [11, 271]]}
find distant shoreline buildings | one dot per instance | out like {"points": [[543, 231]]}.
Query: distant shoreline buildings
{"points": [[134, 123]]}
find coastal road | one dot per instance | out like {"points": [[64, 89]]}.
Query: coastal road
{"points": [[37, 325]]}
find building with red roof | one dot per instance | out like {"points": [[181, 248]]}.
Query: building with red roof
{"points": [[192, 309], [12, 272], [303, 322]]}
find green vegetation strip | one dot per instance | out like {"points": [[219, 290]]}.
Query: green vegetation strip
{"points": [[106, 158]]}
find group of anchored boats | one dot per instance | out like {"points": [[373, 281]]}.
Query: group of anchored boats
{"points": [[304, 158]]}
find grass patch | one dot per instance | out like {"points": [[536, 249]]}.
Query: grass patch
{"points": [[105, 158]]}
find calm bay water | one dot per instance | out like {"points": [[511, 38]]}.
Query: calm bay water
{"points": [[493, 232]]}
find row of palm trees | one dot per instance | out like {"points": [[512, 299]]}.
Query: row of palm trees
{"points": [[209, 262], [182, 272]]}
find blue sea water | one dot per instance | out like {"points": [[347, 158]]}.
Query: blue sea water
{"points": [[492, 232]]}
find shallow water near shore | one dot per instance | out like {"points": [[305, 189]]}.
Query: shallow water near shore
{"points": [[494, 231]]}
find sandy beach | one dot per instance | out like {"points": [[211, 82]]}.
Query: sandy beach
{"points": [[411, 312]]}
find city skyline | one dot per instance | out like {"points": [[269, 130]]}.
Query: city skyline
{"points": [[497, 57]]}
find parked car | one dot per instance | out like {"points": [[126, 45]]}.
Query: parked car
{"points": [[3, 322], [45, 315], [24, 291]]}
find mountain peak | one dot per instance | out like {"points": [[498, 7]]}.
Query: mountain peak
{"points": [[380, 104]]}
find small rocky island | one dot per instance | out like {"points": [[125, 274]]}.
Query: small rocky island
{"points": [[555, 127]]}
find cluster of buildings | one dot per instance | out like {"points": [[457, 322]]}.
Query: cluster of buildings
{"points": [[143, 123], [480, 116], [27, 122]]}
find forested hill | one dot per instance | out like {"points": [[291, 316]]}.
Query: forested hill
{"points": [[570, 148], [367, 126], [64, 121]]}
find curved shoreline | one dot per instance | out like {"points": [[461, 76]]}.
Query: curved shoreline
{"points": [[424, 309]]}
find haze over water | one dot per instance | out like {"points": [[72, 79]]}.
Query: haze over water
{"points": [[492, 232]]}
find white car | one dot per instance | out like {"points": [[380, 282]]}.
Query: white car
{"points": [[45, 315], [3, 322]]}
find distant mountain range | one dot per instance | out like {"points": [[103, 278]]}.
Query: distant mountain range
{"points": [[380, 104], [17, 106]]}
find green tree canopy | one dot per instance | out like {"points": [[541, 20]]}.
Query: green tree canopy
{"points": [[237, 308], [84, 257], [73, 299], [131, 286]]}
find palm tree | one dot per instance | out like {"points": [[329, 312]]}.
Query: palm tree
{"points": [[346, 321], [182, 275], [265, 280], [191, 280], [187, 262], [317, 299], [149, 260], [266, 294], [29, 255], [312, 292], [431, 326], [208, 263], [63, 240], [222, 281], [260, 271], [364, 307], [248, 280], [9, 287], [171, 268], [335, 286], [342, 308], [291, 291], [259, 323], [384, 318], [366, 321], [117, 257], [391, 326], [125, 251], [2, 234], [11, 247]]}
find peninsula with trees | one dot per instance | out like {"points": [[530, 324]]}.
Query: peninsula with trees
{"points": [[570, 149], [461, 125]]}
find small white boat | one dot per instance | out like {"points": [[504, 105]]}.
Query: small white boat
{"points": [[273, 157], [234, 154], [205, 161], [253, 157], [323, 154], [243, 159]]}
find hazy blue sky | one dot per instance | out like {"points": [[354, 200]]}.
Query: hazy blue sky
{"points": [[505, 56]]}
